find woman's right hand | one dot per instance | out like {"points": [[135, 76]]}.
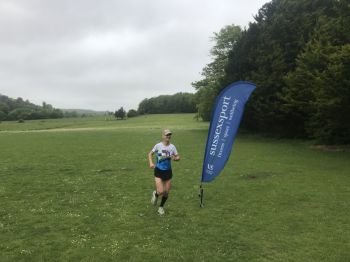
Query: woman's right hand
{"points": [[151, 165]]}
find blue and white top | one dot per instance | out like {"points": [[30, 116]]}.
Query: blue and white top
{"points": [[164, 154]]}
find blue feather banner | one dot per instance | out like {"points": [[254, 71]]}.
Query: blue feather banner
{"points": [[226, 117]]}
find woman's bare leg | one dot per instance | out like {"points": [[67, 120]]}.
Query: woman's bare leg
{"points": [[159, 186], [167, 186]]}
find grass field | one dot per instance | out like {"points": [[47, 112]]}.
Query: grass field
{"points": [[79, 190]]}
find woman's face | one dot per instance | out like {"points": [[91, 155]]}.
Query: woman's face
{"points": [[167, 138]]}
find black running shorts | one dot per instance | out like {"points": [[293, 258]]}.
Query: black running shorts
{"points": [[163, 174]]}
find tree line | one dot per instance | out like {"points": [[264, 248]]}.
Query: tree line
{"points": [[298, 54], [12, 109], [165, 104], [18, 109]]}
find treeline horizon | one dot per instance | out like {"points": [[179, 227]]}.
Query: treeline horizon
{"points": [[181, 102], [13, 109], [19, 109], [297, 52], [164, 104]]}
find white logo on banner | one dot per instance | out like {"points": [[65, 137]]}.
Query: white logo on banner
{"points": [[210, 169]]}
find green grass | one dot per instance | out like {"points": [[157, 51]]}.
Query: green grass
{"points": [[80, 191], [180, 121]]}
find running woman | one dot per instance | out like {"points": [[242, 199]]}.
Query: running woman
{"points": [[165, 152]]}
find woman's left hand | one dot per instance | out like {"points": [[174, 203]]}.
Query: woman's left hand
{"points": [[175, 158]]}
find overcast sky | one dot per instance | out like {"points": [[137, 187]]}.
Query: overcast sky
{"points": [[105, 54]]}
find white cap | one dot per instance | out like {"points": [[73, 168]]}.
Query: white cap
{"points": [[167, 132]]}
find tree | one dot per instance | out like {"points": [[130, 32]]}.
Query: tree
{"points": [[4, 107], [267, 52], [331, 122], [70, 114], [297, 53], [132, 113], [205, 100], [214, 72], [16, 109], [120, 113], [318, 93], [20, 113], [166, 104], [3, 116]]}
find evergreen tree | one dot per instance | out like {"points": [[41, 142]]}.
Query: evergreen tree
{"points": [[297, 53], [317, 94]]}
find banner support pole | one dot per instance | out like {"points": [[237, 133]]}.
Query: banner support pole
{"points": [[201, 195]]}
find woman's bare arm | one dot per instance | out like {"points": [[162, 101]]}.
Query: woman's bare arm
{"points": [[150, 159]]}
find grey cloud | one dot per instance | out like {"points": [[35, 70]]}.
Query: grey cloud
{"points": [[106, 54]]}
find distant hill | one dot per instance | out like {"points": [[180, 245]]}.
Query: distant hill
{"points": [[84, 112], [17, 109]]}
